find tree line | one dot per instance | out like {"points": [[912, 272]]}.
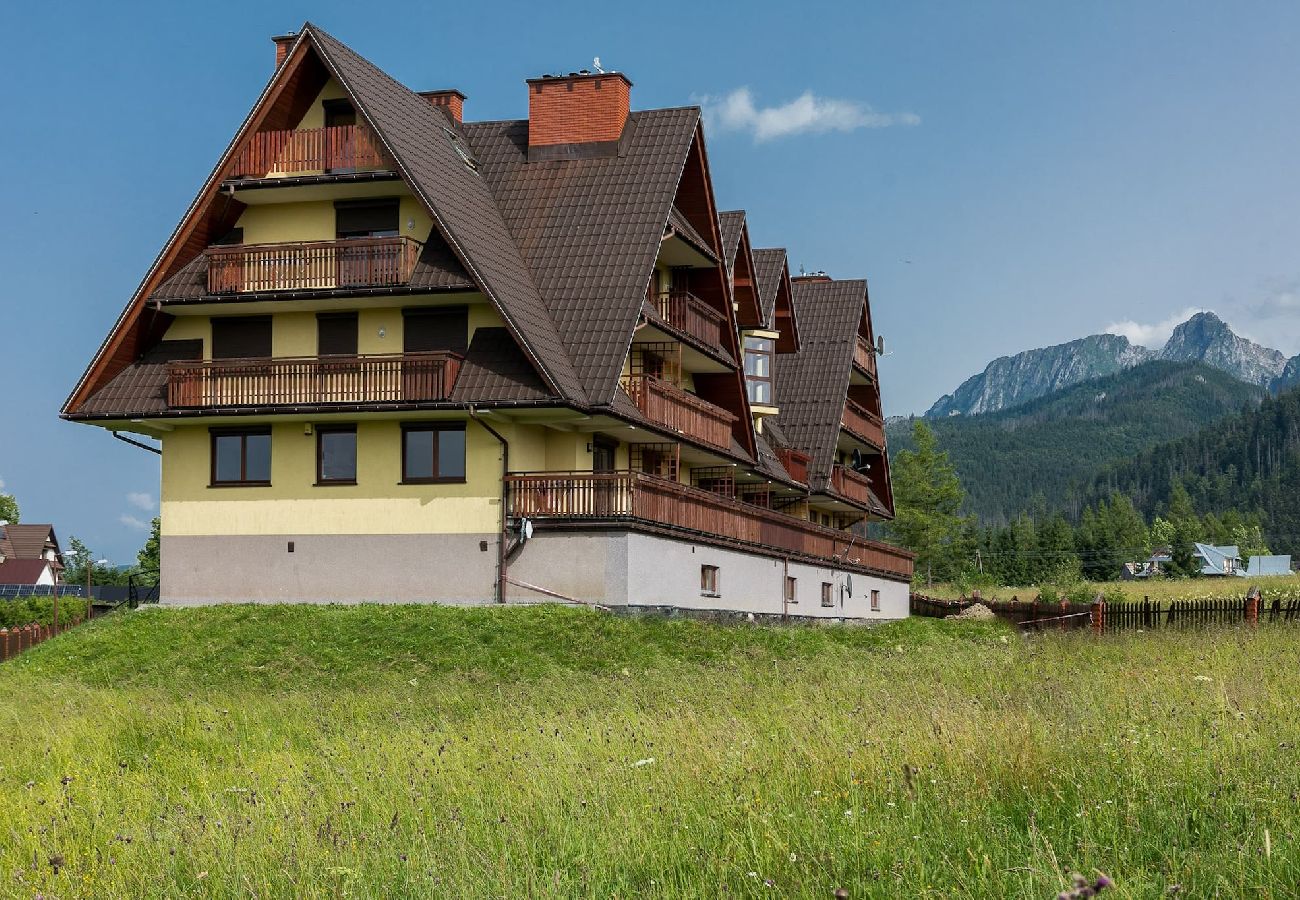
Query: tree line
{"points": [[1039, 546]]}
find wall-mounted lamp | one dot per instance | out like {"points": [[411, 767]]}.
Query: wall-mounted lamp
{"points": [[589, 450], [383, 332]]}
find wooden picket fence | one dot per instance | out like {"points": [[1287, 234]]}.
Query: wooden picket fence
{"points": [[24, 637], [1103, 617]]}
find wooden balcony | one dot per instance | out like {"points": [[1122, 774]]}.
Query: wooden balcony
{"points": [[634, 496], [663, 403], [796, 464], [338, 148], [691, 315], [864, 356], [312, 266], [863, 424], [852, 486], [312, 381]]}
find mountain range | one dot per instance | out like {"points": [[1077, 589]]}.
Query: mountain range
{"points": [[1012, 380], [1044, 454]]}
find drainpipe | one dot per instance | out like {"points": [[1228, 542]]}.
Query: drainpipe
{"points": [[501, 538]]}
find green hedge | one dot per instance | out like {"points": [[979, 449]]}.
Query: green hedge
{"points": [[40, 610]]}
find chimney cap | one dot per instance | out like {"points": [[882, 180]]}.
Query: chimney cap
{"points": [[287, 36], [444, 92], [577, 76]]}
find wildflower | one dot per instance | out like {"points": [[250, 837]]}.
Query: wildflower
{"points": [[848, 813], [648, 761], [793, 857]]}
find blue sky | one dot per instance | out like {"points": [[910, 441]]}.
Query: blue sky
{"points": [[1007, 175]]}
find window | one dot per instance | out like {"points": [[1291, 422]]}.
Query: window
{"points": [[828, 594], [758, 370], [433, 452], [336, 454], [366, 218], [791, 585], [241, 337], [336, 334], [875, 601], [241, 457], [435, 328], [709, 581]]}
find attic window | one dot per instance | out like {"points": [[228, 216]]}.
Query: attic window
{"points": [[470, 162]]}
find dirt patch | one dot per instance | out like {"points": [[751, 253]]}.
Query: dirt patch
{"points": [[974, 611]]}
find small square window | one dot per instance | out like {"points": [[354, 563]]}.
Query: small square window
{"points": [[241, 457], [828, 594], [336, 454], [709, 581], [433, 452], [791, 589], [875, 601]]}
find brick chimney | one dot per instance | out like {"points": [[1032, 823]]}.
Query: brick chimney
{"points": [[577, 109], [451, 100], [282, 44]]}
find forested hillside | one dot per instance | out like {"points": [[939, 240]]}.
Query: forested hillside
{"points": [[1046, 454], [1249, 462]]}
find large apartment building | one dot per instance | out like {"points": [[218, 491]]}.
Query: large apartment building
{"points": [[393, 355]]}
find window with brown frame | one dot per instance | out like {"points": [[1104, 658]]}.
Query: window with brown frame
{"points": [[709, 581], [336, 454], [875, 601], [241, 457], [791, 589], [433, 452], [828, 594], [758, 370]]}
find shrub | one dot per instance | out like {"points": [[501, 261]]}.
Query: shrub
{"points": [[40, 611]]}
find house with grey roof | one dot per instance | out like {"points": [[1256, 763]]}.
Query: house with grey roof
{"points": [[519, 361]]}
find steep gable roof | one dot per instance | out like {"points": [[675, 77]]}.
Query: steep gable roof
{"points": [[26, 541], [730, 224], [590, 229], [770, 266], [811, 385], [23, 571], [422, 140]]}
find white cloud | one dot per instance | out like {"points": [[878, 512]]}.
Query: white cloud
{"points": [[806, 114], [1151, 335], [141, 500], [132, 522]]}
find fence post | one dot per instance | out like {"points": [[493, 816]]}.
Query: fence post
{"points": [[1252, 607], [1098, 615], [4, 644]]}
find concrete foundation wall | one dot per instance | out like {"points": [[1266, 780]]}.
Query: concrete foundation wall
{"points": [[336, 568], [619, 569]]}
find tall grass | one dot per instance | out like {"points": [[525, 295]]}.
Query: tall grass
{"points": [[1162, 589], [400, 751]]}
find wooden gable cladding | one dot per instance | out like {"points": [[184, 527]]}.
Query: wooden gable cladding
{"points": [[695, 201], [784, 319], [745, 284]]}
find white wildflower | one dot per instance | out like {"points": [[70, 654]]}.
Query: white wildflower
{"points": [[648, 761]]}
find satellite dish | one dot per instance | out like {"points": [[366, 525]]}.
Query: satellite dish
{"points": [[856, 461], [526, 529], [880, 345]]}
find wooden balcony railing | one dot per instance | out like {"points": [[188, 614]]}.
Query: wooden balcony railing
{"points": [[663, 403], [311, 381], [649, 498], [864, 424], [312, 266], [851, 485], [864, 356], [795, 463], [688, 313], [338, 147]]}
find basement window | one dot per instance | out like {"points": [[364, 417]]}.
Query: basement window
{"points": [[791, 589], [828, 594], [875, 601], [709, 581]]}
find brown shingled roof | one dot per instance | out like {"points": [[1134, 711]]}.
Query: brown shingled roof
{"points": [[26, 541], [590, 229], [423, 142], [769, 265], [811, 385], [22, 571], [730, 225]]}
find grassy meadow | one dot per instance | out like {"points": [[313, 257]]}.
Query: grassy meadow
{"points": [[555, 752], [1161, 589]]}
